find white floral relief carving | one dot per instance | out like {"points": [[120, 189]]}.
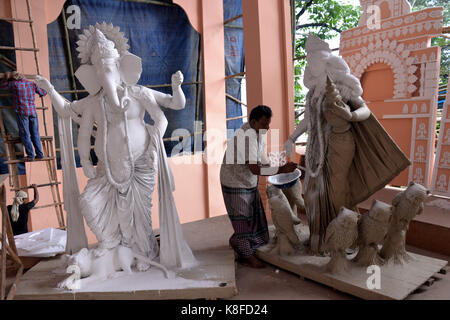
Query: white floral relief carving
{"points": [[424, 58], [410, 19], [386, 25], [398, 22], [435, 14], [420, 154], [418, 176], [422, 132], [393, 54], [441, 184], [447, 137], [421, 16], [445, 161], [405, 109], [423, 108]]}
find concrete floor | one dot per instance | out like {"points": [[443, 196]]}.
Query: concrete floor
{"points": [[272, 283]]}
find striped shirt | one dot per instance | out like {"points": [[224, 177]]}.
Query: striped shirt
{"points": [[23, 95]]}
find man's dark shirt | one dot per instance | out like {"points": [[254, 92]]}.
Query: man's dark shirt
{"points": [[21, 225]]}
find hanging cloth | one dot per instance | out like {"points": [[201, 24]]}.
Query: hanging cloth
{"points": [[76, 234], [174, 250]]}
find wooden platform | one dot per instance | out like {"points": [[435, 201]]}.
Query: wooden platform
{"points": [[213, 278], [397, 281]]}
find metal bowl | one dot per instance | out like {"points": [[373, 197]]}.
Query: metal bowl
{"points": [[285, 180]]}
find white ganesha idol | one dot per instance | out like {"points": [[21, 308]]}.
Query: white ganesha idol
{"points": [[117, 200]]}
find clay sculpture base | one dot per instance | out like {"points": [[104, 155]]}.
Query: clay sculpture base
{"points": [[213, 278], [397, 281]]}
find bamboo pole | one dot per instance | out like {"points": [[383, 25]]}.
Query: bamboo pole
{"points": [[234, 99], [197, 96], [9, 233], [10, 153], [23, 160], [55, 194], [235, 75], [12, 108], [69, 53], [16, 259], [182, 137], [38, 186], [159, 3], [3, 262], [236, 118], [9, 61], [14, 19], [232, 19], [169, 85], [18, 48], [33, 36], [6, 63], [48, 205], [147, 86], [12, 291]]}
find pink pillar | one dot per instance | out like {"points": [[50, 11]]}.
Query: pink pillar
{"points": [[43, 12], [268, 60], [269, 66], [207, 17]]}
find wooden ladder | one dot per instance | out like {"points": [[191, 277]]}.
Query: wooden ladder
{"points": [[8, 248]]}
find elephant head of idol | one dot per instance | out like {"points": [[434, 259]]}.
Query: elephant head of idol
{"points": [[106, 63]]}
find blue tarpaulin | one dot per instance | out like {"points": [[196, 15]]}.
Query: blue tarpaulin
{"points": [[162, 36], [234, 60]]}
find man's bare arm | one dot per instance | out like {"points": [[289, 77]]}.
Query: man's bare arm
{"points": [[36, 194], [265, 170]]}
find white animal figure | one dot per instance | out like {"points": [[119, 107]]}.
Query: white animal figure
{"points": [[342, 233], [115, 262], [294, 196], [283, 219], [406, 205], [372, 230]]}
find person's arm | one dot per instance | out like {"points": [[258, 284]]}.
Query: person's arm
{"points": [[36, 194], [299, 130], [261, 170], [39, 91], [362, 111]]}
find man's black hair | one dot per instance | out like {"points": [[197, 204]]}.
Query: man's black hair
{"points": [[260, 111]]}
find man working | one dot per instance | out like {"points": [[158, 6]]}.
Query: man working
{"points": [[23, 96], [18, 211], [244, 160]]}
